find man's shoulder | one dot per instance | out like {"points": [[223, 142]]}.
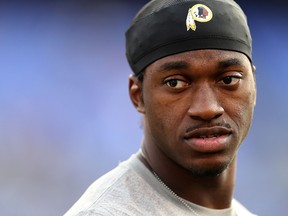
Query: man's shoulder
{"points": [[241, 210], [120, 185], [99, 212]]}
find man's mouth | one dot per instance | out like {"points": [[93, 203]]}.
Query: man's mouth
{"points": [[208, 139]]}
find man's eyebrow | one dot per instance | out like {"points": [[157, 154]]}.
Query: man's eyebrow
{"points": [[230, 62], [176, 65]]}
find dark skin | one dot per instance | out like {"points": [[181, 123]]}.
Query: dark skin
{"points": [[197, 109]]}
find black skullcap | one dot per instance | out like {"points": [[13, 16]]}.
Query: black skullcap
{"points": [[166, 27]]}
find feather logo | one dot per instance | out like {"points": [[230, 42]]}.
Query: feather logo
{"points": [[200, 13]]}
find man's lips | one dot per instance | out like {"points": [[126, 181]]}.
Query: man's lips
{"points": [[207, 132], [208, 139]]}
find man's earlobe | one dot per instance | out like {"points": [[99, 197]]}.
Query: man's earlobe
{"points": [[136, 94]]}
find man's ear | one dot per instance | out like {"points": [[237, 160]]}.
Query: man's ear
{"points": [[136, 94], [255, 84]]}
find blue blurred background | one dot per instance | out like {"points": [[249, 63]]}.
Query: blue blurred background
{"points": [[65, 114]]}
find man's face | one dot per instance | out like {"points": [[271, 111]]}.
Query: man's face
{"points": [[198, 107]]}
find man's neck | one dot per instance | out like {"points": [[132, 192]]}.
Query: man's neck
{"points": [[208, 191]]}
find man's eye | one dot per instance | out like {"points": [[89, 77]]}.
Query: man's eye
{"points": [[230, 80], [175, 83]]}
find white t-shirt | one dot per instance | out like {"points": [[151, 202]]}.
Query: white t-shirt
{"points": [[131, 189]]}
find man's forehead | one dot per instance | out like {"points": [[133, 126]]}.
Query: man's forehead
{"points": [[223, 58]]}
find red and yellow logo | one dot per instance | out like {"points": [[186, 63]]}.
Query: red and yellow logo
{"points": [[199, 13]]}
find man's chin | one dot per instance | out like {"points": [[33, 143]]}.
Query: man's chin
{"points": [[211, 171]]}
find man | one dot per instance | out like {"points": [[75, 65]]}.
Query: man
{"points": [[194, 85]]}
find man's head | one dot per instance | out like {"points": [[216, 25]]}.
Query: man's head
{"points": [[198, 92], [166, 27]]}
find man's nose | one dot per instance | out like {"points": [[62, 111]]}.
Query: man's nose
{"points": [[205, 105]]}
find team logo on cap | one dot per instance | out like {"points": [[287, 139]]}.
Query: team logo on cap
{"points": [[200, 13]]}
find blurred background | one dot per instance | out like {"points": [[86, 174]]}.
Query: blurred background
{"points": [[65, 114]]}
